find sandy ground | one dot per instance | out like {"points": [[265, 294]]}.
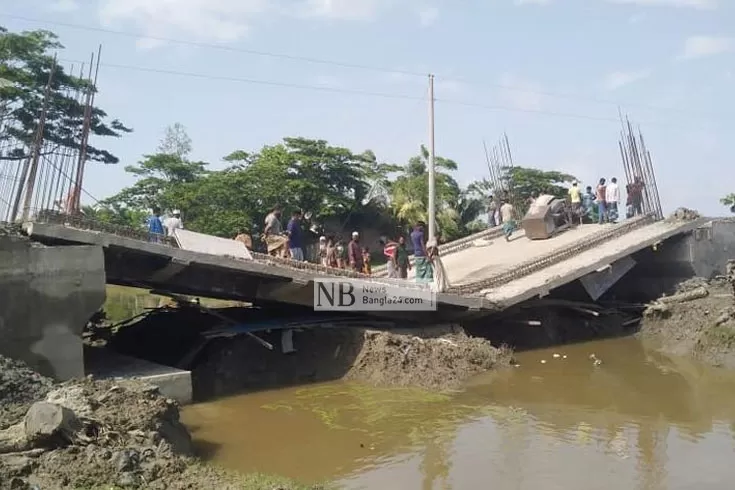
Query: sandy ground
{"points": [[114, 435], [703, 327]]}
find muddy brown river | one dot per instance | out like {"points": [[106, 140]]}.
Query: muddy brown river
{"points": [[640, 420]]}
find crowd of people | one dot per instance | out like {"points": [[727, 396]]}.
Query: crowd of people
{"points": [[604, 202]]}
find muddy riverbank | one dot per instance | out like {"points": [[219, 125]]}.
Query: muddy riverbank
{"points": [[438, 358], [100, 434], [698, 320]]}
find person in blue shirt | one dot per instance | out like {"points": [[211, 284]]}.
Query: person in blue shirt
{"points": [[295, 237], [424, 271], [155, 226]]}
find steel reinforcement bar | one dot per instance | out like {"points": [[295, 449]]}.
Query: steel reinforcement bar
{"points": [[551, 258]]}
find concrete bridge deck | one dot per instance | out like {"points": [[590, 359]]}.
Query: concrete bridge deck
{"points": [[486, 274]]}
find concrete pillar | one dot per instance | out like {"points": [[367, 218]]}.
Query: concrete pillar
{"points": [[47, 295]]}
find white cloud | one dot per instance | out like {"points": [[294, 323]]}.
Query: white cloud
{"points": [[64, 6], [428, 16], [618, 79], [532, 2], [340, 9], [521, 94], [696, 4], [224, 20], [702, 46]]}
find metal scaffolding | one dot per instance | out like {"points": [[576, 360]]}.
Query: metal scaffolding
{"points": [[638, 167], [41, 175]]}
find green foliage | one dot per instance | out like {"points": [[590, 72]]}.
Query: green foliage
{"points": [[526, 182], [729, 201], [25, 65]]}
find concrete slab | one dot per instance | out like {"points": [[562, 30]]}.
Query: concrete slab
{"points": [[542, 282], [172, 383], [292, 283], [199, 242]]}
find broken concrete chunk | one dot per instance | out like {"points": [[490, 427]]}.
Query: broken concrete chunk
{"points": [[51, 425]]}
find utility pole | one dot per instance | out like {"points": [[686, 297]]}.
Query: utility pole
{"points": [[432, 168]]}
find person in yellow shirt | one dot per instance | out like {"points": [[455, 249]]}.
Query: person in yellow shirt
{"points": [[575, 196]]}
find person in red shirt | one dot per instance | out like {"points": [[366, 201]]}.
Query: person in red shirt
{"points": [[390, 250]]}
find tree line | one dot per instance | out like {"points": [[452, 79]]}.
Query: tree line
{"points": [[341, 188]]}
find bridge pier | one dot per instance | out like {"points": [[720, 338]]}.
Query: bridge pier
{"points": [[47, 295]]}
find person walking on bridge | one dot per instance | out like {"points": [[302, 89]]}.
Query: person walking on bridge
{"points": [[354, 253], [601, 197], [390, 250], [295, 237], [173, 223], [575, 197], [155, 227], [509, 224], [424, 272], [273, 233], [612, 198]]}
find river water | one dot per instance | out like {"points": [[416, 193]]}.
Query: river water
{"points": [[640, 420]]}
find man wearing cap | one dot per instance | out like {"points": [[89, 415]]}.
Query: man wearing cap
{"points": [[173, 223], [354, 252]]}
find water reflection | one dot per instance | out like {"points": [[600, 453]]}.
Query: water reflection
{"points": [[640, 420]]}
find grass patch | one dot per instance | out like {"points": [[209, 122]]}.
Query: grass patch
{"points": [[721, 336]]}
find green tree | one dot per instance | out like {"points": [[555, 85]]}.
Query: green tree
{"points": [[162, 177], [526, 182], [25, 65], [729, 201], [409, 192]]}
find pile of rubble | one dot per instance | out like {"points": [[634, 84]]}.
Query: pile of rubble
{"points": [[87, 433]]}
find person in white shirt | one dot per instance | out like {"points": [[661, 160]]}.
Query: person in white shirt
{"points": [[173, 223], [612, 197]]}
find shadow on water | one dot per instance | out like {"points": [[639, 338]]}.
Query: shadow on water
{"points": [[649, 418]]}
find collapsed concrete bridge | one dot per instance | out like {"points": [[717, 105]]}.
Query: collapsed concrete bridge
{"points": [[67, 265]]}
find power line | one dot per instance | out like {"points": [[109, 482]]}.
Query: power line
{"points": [[499, 108], [354, 66]]}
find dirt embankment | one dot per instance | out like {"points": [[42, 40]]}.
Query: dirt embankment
{"points": [[438, 359], [698, 320], [95, 434]]}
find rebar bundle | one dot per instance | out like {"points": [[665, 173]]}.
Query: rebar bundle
{"points": [[638, 167], [38, 176], [499, 162]]}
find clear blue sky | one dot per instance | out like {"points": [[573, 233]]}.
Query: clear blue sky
{"points": [[669, 63]]}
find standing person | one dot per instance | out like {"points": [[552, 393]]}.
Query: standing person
{"points": [[295, 237], [366, 268], [354, 253], [612, 198], [588, 201], [629, 202], [424, 273], [575, 196], [509, 224], [390, 250], [332, 253], [341, 253], [155, 227], [440, 274], [323, 251], [601, 196], [402, 260], [173, 223], [636, 196], [273, 233], [492, 208]]}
